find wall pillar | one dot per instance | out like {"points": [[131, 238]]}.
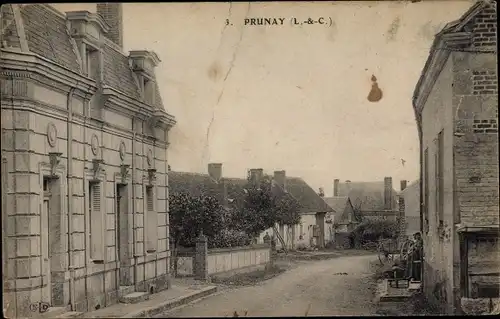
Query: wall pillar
{"points": [[273, 253], [201, 258]]}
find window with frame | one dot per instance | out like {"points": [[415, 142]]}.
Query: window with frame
{"points": [[148, 89], [151, 220], [439, 196], [92, 62], [96, 223], [426, 189]]}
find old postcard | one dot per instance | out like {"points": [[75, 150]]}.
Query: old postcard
{"points": [[228, 159]]}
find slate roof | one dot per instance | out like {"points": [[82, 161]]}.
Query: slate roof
{"points": [[9, 29], [48, 36], [338, 204], [309, 200], [369, 196], [195, 184]]}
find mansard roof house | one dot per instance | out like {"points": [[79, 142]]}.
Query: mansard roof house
{"points": [[84, 154]]}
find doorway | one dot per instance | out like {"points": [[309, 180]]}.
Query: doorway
{"points": [[45, 241], [122, 233]]}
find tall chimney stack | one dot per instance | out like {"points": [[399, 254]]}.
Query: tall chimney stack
{"points": [[256, 175], [215, 171], [280, 178], [388, 193], [336, 187], [112, 13], [403, 184]]}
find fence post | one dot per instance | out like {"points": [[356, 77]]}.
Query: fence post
{"points": [[201, 258]]}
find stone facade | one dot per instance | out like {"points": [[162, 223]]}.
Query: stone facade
{"points": [[84, 142], [411, 210], [459, 166]]}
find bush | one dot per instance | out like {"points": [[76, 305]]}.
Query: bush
{"points": [[373, 230], [231, 238]]}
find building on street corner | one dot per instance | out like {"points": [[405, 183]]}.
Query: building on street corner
{"points": [[84, 161], [409, 198], [456, 108]]}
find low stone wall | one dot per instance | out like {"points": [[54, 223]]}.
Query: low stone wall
{"points": [[229, 259], [202, 262]]}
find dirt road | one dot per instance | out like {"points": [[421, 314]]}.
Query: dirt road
{"points": [[340, 286]]}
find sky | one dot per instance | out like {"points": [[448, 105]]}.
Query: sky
{"points": [[286, 97]]}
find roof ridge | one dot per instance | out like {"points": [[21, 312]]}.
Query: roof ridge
{"points": [[189, 173], [114, 46], [60, 14]]}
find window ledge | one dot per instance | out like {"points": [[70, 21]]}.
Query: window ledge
{"points": [[477, 229]]}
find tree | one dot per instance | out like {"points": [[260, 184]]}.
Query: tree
{"points": [[189, 216], [261, 208], [287, 211], [255, 211]]}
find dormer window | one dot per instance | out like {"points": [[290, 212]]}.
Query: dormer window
{"points": [[88, 30], [143, 64]]}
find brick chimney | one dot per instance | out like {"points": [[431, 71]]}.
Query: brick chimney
{"points": [[403, 184], [112, 13], [280, 179], [256, 175], [321, 192], [336, 187], [388, 193], [215, 171]]}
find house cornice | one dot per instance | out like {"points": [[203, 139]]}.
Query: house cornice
{"points": [[13, 62], [120, 102], [449, 39], [441, 49]]}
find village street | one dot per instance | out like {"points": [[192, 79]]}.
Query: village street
{"points": [[339, 286]]}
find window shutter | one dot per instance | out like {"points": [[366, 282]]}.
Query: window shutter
{"points": [[96, 224], [96, 198], [150, 203], [151, 220]]}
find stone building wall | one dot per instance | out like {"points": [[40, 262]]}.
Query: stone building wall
{"points": [[25, 145], [65, 243]]}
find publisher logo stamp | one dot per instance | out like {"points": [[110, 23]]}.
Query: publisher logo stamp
{"points": [[40, 307]]}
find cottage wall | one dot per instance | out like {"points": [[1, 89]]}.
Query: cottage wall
{"points": [[438, 263]]}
